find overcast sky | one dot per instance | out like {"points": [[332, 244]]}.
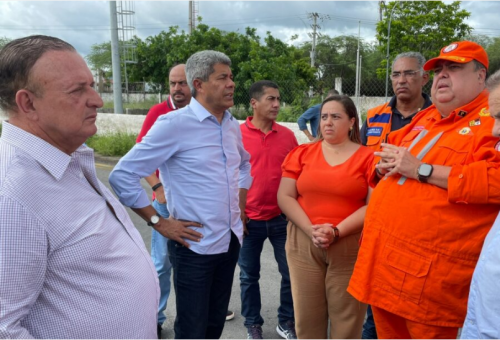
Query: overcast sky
{"points": [[83, 23]]}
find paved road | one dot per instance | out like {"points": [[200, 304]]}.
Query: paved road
{"points": [[269, 282]]}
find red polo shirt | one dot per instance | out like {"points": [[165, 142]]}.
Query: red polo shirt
{"points": [[267, 153]]}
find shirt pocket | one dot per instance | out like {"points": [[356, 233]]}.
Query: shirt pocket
{"points": [[453, 151], [403, 273]]}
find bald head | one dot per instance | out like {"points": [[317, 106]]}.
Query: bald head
{"points": [[179, 89]]}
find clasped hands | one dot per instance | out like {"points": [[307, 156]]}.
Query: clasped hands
{"points": [[322, 235], [397, 160]]}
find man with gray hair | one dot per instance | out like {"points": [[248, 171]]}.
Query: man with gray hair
{"points": [[72, 264], [199, 152], [408, 79], [483, 315]]}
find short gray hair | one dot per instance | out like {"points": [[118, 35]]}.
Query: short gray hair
{"points": [[414, 55], [201, 65], [493, 81]]}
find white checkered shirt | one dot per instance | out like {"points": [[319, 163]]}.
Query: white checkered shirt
{"points": [[69, 266]]}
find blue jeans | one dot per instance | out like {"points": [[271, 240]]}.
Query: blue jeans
{"points": [[159, 255], [369, 330], [202, 286], [249, 262]]}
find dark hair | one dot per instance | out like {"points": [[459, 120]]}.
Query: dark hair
{"points": [[258, 88], [332, 92], [351, 111], [17, 59]]}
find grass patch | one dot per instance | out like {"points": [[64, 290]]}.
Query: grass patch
{"points": [[113, 144], [136, 105]]}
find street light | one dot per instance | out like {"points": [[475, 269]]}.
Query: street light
{"points": [[387, 56]]}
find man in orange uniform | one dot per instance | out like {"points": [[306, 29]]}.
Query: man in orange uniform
{"points": [[430, 212]]}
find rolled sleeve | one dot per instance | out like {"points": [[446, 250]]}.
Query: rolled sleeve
{"points": [[142, 160]]}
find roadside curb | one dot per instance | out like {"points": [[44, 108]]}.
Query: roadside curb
{"points": [[108, 160]]}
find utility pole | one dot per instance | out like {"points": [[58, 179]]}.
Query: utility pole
{"points": [[357, 63], [315, 16], [314, 26], [193, 14], [115, 59]]}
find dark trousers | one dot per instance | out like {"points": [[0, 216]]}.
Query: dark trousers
{"points": [[369, 331], [249, 262], [202, 286]]}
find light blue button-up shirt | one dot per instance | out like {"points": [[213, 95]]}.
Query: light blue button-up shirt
{"points": [[483, 311], [202, 165]]}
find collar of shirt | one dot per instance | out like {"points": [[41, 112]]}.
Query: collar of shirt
{"points": [[51, 158], [202, 113], [462, 111], [394, 99], [171, 103], [249, 124]]}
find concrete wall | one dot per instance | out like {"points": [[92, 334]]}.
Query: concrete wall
{"points": [[131, 123], [108, 122], [362, 103]]}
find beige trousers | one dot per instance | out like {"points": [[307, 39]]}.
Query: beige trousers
{"points": [[319, 281]]}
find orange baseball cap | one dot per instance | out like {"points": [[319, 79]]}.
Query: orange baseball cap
{"points": [[460, 52]]}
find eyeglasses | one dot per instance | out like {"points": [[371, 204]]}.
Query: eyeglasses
{"points": [[406, 74]]}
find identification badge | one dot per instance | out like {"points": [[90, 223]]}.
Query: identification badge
{"points": [[374, 131]]}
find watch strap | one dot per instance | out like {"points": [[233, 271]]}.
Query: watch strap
{"points": [[156, 186]]}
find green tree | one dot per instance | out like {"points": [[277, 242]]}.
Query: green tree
{"points": [[4, 41], [493, 51], [251, 60], [422, 26], [99, 60], [336, 58]]}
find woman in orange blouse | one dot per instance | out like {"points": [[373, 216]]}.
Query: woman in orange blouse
{"points": [[324, 191]]}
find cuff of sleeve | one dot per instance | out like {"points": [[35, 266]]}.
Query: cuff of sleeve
{"points": [[468, 183], [245, 183], [142, 201]]}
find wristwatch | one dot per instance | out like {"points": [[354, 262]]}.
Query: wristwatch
{"points": [[154, 220], [424, 172]]}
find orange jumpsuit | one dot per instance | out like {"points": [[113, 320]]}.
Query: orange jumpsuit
{"points": [[421, 242]]}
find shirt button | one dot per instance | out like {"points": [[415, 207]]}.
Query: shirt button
{"points": [[461, 176], [80, 175]]}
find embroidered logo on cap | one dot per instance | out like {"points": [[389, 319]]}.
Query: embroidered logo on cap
{"points": [[450, 48]]}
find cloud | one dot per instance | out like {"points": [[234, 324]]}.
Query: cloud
{"points": [[84, 23]]}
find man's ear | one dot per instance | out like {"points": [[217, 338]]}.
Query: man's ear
{"points": [[198, 85], [25, 104], [252, 103], [425, 78]]}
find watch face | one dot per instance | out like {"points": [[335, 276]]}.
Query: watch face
{"points": [[155, 219], [425, 170]]}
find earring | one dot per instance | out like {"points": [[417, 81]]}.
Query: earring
{"points": [[350, 129]]}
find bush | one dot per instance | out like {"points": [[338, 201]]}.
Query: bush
{"points": [[114, 144]]}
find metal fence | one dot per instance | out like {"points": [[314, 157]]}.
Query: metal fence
{"points": [[295, 96]]}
